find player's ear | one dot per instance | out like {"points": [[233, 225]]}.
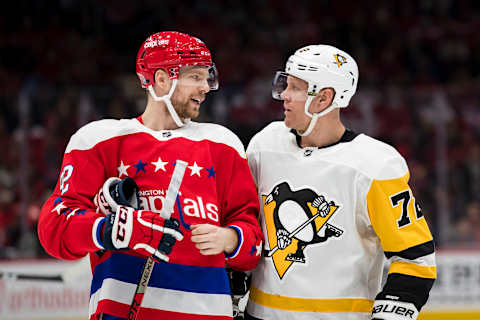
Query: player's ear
{"points": [[323, 100], [162, 81]]}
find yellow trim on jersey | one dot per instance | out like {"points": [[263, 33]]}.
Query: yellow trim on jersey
{"points": [[413, 269], [385, 215], [309, 305]]}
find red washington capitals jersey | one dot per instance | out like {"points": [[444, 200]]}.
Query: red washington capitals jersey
{"points": [[217, 189]]}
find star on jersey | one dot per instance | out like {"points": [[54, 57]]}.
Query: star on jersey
{"points": [[259, 249], [72, 213], [122, 169], [140, 166], [57, 200], [211, 172], [75, 212], [59, 208], [195, 169], [159, 164], [256, 250]]}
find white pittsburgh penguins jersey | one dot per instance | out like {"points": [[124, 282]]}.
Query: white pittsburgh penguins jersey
{"points": [[330, 216]]}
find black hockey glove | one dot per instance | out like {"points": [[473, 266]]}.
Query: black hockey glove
{"points": [[239, 286]]}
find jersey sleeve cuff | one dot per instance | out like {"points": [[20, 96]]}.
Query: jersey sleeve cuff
{"points": [[97, 232], [235, 252]]}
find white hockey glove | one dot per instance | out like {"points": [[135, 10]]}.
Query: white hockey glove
{"points": [[115, 192], [321, 205], [283, 240], [394, 310]]}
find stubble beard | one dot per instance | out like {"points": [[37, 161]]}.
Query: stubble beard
{"points": [[184, 110]]}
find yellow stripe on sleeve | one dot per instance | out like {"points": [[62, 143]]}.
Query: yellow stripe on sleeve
{"points": [[413, 269]]}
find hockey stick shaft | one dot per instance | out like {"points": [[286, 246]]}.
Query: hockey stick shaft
{"points": [[166, 212]]}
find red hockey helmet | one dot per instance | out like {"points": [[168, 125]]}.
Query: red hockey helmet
{"points": [[171, 50]]}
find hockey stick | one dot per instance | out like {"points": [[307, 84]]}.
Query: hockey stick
{"points": [[300, 228], [180, 213], [165, 213]]}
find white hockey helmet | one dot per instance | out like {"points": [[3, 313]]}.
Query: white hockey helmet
{"points": [[321, 66]]}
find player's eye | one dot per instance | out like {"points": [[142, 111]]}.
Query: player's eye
{"points": [[291, 86]]}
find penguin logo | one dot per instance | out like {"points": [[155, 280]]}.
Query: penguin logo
{"points": [[339, 60], [308, 152], [295, 220]]}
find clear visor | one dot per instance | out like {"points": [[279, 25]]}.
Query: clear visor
{"points": [[213, 77], [279, 84], [199, 76]]}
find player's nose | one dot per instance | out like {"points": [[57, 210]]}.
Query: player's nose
{"points": [[204, 87]]}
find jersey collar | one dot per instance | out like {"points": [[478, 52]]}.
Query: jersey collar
{"points": [[347, 136]]}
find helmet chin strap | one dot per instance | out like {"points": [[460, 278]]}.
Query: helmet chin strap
{"points": [[314, 116], [168, 103]]}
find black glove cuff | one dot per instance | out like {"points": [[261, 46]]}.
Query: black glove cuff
{"points": [[166, 244], [107, 233], [168, 241], [125, 193]]}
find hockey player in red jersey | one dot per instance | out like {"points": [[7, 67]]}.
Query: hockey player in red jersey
{"points": [[113, 185], [335, 205]]}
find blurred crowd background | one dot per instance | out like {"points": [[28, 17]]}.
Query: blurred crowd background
{"points": [[64, 63]]}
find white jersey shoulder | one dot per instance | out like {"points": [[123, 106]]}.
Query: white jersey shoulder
{"points": [[275, 136], [371, 157], [374, 158], [215, 133], [97, 131]]}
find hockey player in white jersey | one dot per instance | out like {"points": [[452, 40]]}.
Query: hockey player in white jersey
{"points": [[334, 206]]}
